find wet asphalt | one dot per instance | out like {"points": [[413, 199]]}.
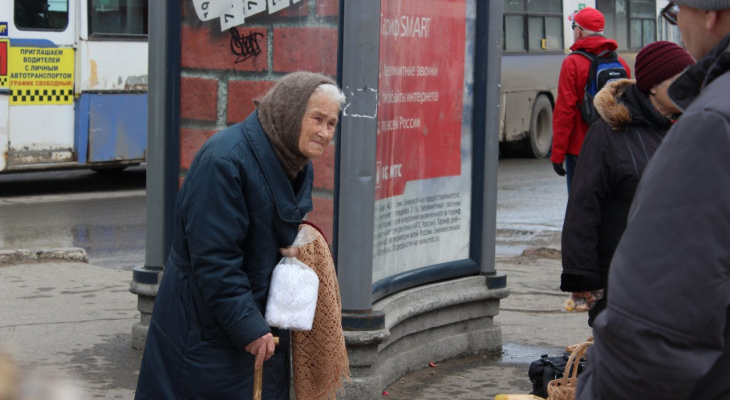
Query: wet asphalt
{"points": [[105, 214]]}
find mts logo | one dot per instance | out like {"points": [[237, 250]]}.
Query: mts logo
{"points": [[383, 173]]}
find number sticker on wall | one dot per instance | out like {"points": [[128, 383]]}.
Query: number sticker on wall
{"points": [[234, 12]]}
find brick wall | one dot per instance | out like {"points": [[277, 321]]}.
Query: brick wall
{"points": [[223, 72]]}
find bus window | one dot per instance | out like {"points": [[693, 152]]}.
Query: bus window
{"points": [[535, 28], [643, 27], [543, 31], [41, 14], [118, 17], [554, 33], [632, 23], [548, 28], [622, 30], [667, 31], [514, 27]]}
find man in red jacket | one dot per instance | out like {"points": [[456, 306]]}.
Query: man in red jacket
{"points": [[569, 128]]}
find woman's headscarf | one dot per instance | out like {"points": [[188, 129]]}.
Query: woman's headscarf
{"points": [[280, 113]]}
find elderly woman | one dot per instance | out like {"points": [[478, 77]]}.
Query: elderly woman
{"points": [[246, 192], [635, 117]]}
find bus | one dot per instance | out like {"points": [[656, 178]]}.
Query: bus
{"points": [[73, 84], [537, 35]]}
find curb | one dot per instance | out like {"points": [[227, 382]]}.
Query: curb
{"points": [[63, 253]]}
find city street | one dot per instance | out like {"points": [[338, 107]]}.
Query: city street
{"points": [[105, 213]]}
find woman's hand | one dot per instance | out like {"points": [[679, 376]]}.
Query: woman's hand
{"points": [[585, 300], [262, 348], [588, 296], [289, 251]]}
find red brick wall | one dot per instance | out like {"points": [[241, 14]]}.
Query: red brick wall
{"points": [[219, 81]]}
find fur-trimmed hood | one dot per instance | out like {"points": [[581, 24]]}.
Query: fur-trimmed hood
{"points": [[620, 103], [607, 101]]}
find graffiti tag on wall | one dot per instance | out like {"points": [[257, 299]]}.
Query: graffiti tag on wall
{"points": [[233, 13], [245, 47]]}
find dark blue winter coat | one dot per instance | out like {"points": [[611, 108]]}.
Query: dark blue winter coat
{"points": [[235, 209]]}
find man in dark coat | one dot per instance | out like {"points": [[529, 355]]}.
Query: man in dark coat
{"points": [[635, 116], [246, 192], [665, 333]]}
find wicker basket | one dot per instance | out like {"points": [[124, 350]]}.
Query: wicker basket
{"points": [[564, 388]]}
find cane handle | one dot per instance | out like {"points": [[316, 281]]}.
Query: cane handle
{"points": [[258, 377]]}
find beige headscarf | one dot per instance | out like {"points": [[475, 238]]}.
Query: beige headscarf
{"points": [[280, 113], [319, 356]]}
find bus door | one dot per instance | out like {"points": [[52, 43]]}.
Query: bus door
{"points": [[40, 66], [112, 83]]}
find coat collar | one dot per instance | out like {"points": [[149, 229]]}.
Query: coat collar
{"points": [[688, 86], [621, 104], [291, 207]]}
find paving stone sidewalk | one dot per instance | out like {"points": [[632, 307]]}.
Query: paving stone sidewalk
{"points": [[72, 319], [532, 322]]}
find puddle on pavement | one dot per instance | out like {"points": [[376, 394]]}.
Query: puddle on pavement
{"points": [[513, 353], [113, 246]]}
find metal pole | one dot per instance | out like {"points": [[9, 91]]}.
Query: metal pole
{"points": [[355, 157], [162, 129], [491, 156], [163, 147], [154, 250]]}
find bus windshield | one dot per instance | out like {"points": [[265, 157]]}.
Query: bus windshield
{"points": [[41, 14]]}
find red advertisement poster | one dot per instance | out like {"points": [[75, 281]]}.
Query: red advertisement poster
{"points": [[420, 99]]}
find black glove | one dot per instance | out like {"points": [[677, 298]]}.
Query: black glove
{"points": [[558, 167]]}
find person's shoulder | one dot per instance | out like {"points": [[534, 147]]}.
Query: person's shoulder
{"points": [[574, 59], [705, 124], [599, 132], [595, 44], [225, 143], [707, 116], [601, 125], [714, 97]]}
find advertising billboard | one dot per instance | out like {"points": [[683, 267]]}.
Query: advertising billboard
{"points": [[424, 135]]}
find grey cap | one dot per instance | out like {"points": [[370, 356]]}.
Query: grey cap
{"points": [[705, 4]]}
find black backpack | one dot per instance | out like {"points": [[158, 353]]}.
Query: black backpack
{"points": [[605, 67], [546, 369]]}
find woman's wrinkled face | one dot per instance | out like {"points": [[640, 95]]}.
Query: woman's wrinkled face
{"points": [[318, 125], [661, 99]]}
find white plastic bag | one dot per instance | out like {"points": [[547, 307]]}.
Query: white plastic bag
{"points": [[293, 291]]}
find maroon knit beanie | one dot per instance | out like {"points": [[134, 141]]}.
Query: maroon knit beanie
{"points": [[659, 61]]}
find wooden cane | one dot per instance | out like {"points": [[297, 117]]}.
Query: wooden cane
{"points": [[258, 377]]}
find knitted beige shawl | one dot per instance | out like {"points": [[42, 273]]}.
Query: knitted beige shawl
{"points": [[319, 356]]}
